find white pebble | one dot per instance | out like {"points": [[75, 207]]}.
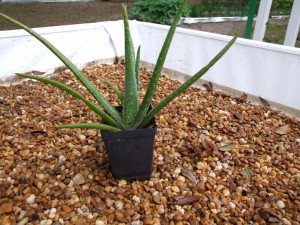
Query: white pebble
{"points": [[177, 171], [76, 152], [243, 211], [40, 176], [218, 167], [136, 199], [71, 184], [225, 165], [90, 216], [280, 204], [219, 138], [119, 205], [30, 199], [137, 222], [43, 222], [205, 132], [122, 182], [48, 222], [23, 221], [298, 140], [286, 221], [212, 174], [22, 214], [99, 222], [79, 211], [79, 179], [52, 213], [232, 205], [61, 159]]}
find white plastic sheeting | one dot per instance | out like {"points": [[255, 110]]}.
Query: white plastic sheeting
{"points": [[261, 69]]}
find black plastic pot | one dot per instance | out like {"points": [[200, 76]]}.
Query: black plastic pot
{"points": [[130, 152]]}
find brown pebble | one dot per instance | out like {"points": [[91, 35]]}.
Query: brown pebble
{"points": [[67, 208], [159, 186], [129, 212], [6, 221], [81, 221], [119, 215], [6, 208], [148, 221]]}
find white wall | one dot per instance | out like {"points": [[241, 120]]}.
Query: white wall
{"points": [[262, 69], [20, 52], [266, 70]]}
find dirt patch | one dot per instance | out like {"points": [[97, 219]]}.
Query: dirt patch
{"points": [[54, 14], [227, 28]]}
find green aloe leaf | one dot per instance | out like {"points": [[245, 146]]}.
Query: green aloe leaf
{"points": [[185, 85], [79, 75], [75, 94], [248, 172], [98, 126], [226, 148], [114, 87], [131, 104], [137, 70], [157, 70]]}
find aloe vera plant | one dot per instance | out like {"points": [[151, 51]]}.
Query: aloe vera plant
{"points": [[133, 116]]}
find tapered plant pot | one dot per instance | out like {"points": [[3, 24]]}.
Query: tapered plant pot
{"points": [[130, 152]]}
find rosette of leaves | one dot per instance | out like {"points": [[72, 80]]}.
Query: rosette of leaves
{"points": [[133, 116]]}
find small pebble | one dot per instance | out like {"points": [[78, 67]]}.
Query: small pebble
{"points": [[23, 221], [6, 221], [244, 193], [99, 222], [61, 159], [6, 208], [212, 174], [218, 167], [226, 192], [286, 221], [177, 171], [280, 204], [79, 179], [232, 205], [30, 199], [136, 199], [175, 189], [52, 213]]}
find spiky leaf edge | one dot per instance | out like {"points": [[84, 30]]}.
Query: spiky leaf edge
{"points": [[130, 103]]}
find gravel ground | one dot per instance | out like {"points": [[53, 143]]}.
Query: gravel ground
{"points": [[218, 160]]}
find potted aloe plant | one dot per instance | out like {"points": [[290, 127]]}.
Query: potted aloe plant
{"points": [[129, 130]]}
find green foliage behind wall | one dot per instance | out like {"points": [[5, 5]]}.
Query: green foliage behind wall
{"points": [[157, 11]]}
